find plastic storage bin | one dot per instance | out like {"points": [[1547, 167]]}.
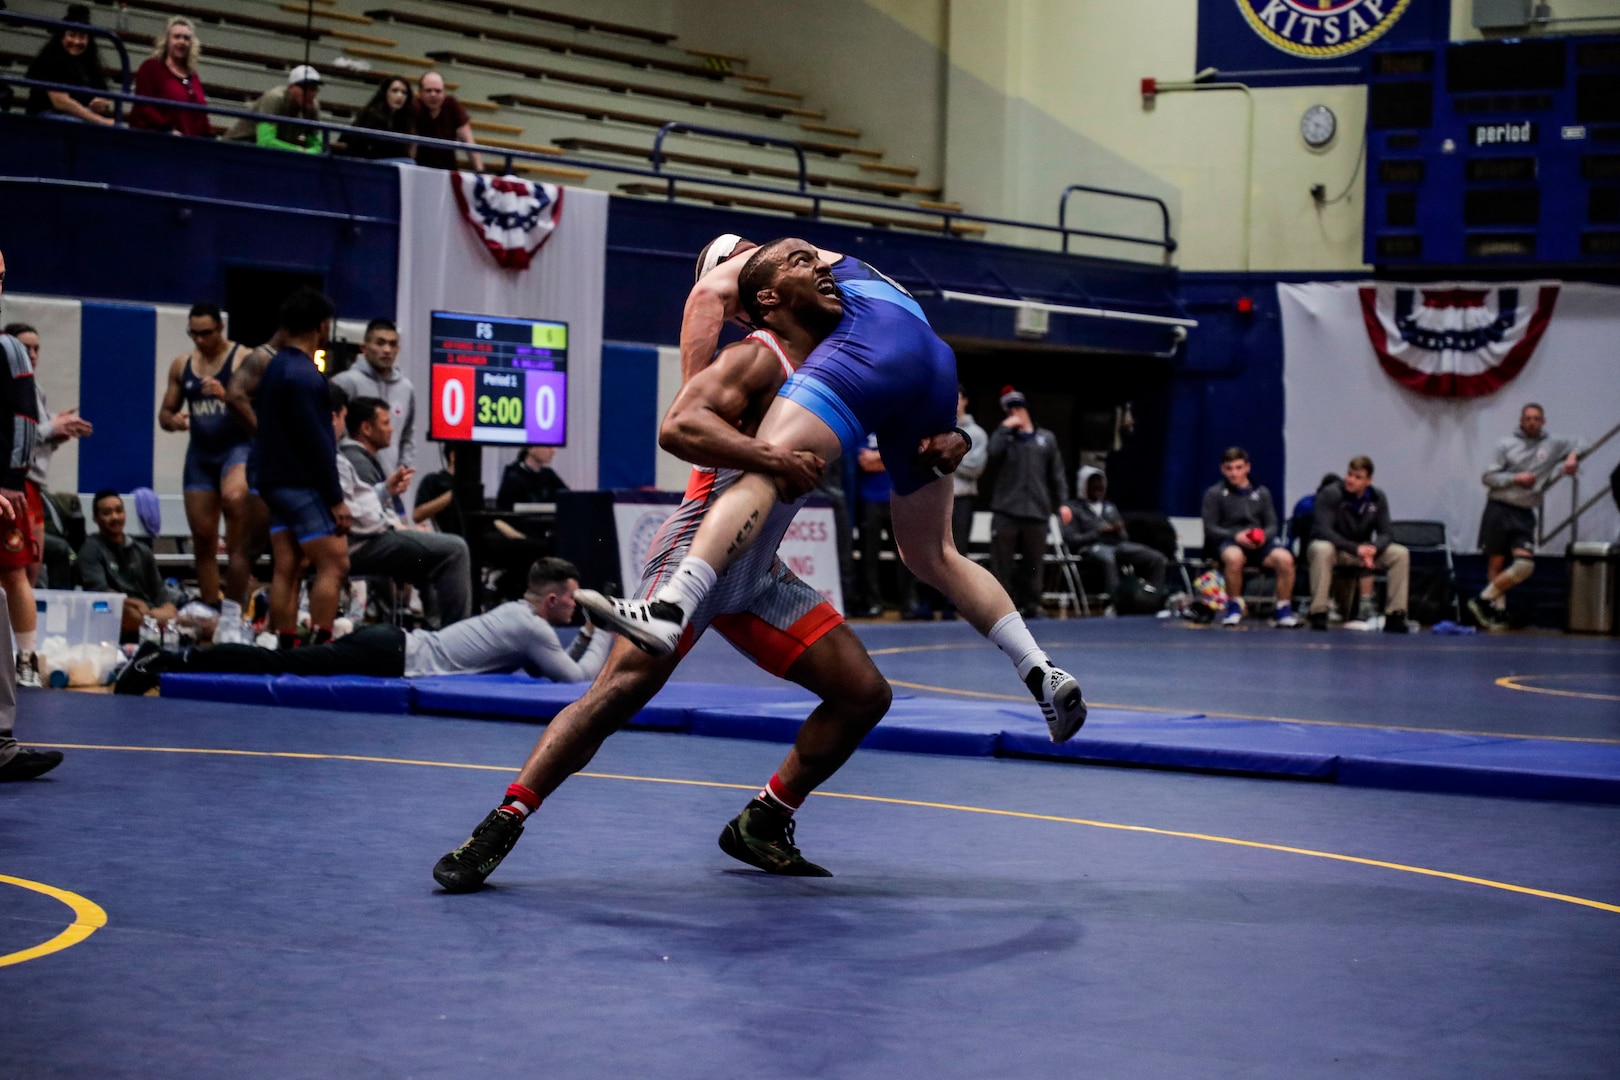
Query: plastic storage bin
{"points": [[83, 618]]}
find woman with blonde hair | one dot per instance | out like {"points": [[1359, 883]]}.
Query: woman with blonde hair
{"points": [[171, 73]]}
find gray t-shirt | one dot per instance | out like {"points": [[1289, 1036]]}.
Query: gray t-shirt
{"points": [[510, 637]]}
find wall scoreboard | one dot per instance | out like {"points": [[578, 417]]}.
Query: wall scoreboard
{"points": [[1495, 153]]}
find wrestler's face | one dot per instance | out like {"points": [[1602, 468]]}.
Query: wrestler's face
{"points": [[805, 288]]}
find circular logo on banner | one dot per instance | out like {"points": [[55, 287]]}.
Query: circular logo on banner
{"points": [[1321, 29]]}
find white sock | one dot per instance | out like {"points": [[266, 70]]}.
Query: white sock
{"points": [[1490, 592], [25, 641], [688, 586], [1012, 637]]}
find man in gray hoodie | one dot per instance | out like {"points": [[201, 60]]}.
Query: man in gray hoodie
{"points": [[1524, 464], [377, 375]]}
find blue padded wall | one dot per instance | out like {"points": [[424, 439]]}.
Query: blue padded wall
{"points": [[117, 344], [626, 453]]}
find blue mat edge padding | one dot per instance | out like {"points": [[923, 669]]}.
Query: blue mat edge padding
{"points": [[1408, 762]]}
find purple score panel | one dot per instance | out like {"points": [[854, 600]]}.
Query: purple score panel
{"points": [[545, 413]]}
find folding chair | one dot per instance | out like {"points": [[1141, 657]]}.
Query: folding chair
{"points": [[1429, 538], [1068, 564]]}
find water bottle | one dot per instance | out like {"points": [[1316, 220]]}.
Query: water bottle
{"points": [[171, 637], [150, 631]]}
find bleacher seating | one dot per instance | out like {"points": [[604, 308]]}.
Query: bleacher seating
{"points": [[608, 87]]}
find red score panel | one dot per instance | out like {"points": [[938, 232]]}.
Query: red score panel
{"points": [[452, 402]]}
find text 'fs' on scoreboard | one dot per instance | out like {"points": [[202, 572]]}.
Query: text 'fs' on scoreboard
{"points": [[499, 380]]}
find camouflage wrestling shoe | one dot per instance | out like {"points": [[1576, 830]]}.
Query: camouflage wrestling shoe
{"points": [[464, 869], [762, 836]]}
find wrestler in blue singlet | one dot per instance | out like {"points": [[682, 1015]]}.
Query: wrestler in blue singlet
{"points": [[883, 370], [218, 443]]}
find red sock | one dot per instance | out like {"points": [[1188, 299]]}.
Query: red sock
{"points": [[779, 795], [520, 800]]}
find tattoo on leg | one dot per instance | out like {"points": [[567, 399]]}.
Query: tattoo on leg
{"points": [[742, 533]]}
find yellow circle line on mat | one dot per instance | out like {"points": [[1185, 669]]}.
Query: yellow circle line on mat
{"points": [[88, 917], [1514, 682], [1112, 825], [1025, 699]]}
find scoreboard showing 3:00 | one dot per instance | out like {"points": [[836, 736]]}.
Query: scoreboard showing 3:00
{"points": [[499, 380]]}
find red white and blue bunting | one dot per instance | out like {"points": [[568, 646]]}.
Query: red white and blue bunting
{"points": [[513, 217], [1456, 340]]}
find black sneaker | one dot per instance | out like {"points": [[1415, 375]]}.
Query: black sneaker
{"points": [[762, 836], [1395, 622], [464, 869], [1318, 620], [28, 670], [26, 764], [142, 672], [1486, 615]]}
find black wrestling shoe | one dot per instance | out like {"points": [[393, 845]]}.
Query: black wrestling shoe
{"points": [[1395, 623], [142, 672], [1487, 615], [27, 764], [1318, 620], [1058, 694], [28, 670], [762, 836], [464, 869]]}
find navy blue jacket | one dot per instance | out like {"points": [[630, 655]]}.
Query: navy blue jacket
{"points": [[296, 447]]}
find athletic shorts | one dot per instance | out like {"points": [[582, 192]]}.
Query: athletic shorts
{"points": [[1255, 557], [300, 511], [882, 371], [206, 471], [1504, 529], [22, 540], [765, 610]]}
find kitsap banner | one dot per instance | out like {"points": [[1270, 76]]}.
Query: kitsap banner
{"points": [[809, 547], [1310, 42], [1424, 379], [445, 264]]}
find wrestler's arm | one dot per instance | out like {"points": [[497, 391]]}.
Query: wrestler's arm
{"points": [[700, 426], [244, 384]]}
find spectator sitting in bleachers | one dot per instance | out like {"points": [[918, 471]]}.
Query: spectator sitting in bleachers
{"points": [[516, 635], [1352, 528], [171, 73], [283, 106], [1094, 529], [52, 433], [440, 116], [379, 543], [111, 562], [1240, 530], [393, 109], [529, 479], [376, 374], [70, 57]]}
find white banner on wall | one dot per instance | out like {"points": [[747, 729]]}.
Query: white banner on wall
{"points": [[444, 266], [808, 548], [1430, 452]]}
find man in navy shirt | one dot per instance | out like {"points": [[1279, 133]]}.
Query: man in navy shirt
{"points": [[296, 456], [1240, 529]]}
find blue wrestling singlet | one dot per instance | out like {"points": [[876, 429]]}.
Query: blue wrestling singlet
{"points": [[883, 370]]}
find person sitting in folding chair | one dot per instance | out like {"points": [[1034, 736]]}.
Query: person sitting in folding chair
{"points": [[1351, 526], [1094, 529]]}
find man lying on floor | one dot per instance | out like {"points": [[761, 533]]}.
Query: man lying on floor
{"points": [[515, 635]]}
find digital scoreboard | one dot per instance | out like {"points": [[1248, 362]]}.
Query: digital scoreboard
{"points": [[1495, 153], [499, 380]]}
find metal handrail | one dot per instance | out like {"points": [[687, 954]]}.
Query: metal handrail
{"points": [[1168, 243], [676, 127], [817, 199], [1576, 507], [20, 19]]}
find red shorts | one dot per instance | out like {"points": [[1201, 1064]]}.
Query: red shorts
{"points": [[22, 541]]}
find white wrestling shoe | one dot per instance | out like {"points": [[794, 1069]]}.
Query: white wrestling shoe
{"points": [[653, 626], [1058, 694]]}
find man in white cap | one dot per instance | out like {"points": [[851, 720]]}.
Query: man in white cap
{"points": [[280, 105]]}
